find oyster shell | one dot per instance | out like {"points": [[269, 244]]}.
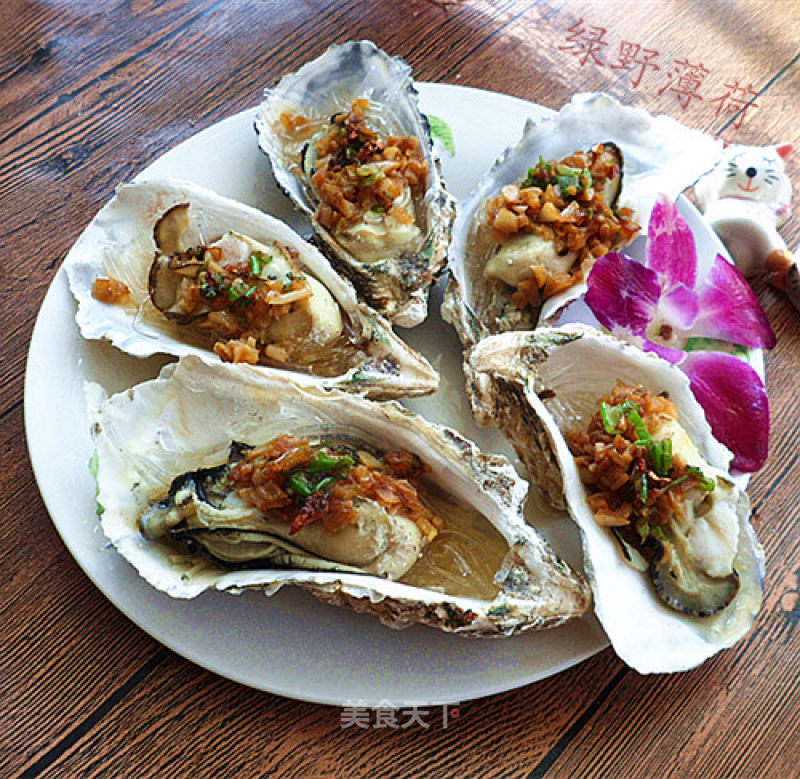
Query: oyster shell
{"points": [[392, 261], [707, 568], [186, 419], [148, 237], [657, 154]]}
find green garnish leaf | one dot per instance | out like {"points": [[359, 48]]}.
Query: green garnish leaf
{"points": [[378, 210], [696, 344], [443, 132], [256, 261]]}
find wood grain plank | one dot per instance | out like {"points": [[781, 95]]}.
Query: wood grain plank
{"points": [[298, 740]]}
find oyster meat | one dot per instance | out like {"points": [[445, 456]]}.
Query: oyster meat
{"points": [[208, 481], [206, 275], [576, 186], [348, 144], [616, 436]]}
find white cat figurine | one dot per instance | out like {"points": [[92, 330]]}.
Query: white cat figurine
{"points": [[746, 198]]}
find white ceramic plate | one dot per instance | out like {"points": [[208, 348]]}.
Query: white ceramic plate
{"points": [[291, 644]]}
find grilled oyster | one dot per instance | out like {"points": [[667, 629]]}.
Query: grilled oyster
{"points": [[577, 185], [349, 146], [208, 275], [166, 467], [674, 564]]}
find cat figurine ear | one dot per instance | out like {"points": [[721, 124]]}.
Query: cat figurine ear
{"points": [[745, 198]]}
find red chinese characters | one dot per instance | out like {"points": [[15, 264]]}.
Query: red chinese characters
{"points": [[737, 100], [684, 79], [585, 42], [632, 57]]}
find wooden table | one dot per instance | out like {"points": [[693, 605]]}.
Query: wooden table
{"points": [[91, 93]]}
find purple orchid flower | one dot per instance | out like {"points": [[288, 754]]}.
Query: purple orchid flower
{"points": [[661, 304]]}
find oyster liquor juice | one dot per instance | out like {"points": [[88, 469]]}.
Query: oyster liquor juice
{"points": [[331, 505]]}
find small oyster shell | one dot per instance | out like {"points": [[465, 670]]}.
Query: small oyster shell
{"points": [[120, 243], [659, 155], [186, 419], [397, 282], [538, 385]]}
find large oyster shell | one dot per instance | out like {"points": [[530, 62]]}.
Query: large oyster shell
{"points": [[120, 243], [186, 419], [658, 155], [397, 281], [537, 385]]}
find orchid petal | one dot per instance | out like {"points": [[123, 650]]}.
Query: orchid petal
{"points": [[730, 310], [664, 352], [622, 293], [679, 307], [736, 405], [670, 245]]}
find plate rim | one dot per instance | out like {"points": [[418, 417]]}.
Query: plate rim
{"points": [[58, 286]]}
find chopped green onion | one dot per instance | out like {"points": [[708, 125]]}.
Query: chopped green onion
{"points": [[256, 259], [706, 482], [643, 487], [297, 485], [657, 532], [378, 210], [240, 290], [676, 482], [611, 415], [369, 174], [661, 452], [642, 528], [325, 463], [327, 482], [639, 426], [565, 181]]}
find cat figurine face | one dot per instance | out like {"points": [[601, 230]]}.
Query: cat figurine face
{"points": [[755, 173]]}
